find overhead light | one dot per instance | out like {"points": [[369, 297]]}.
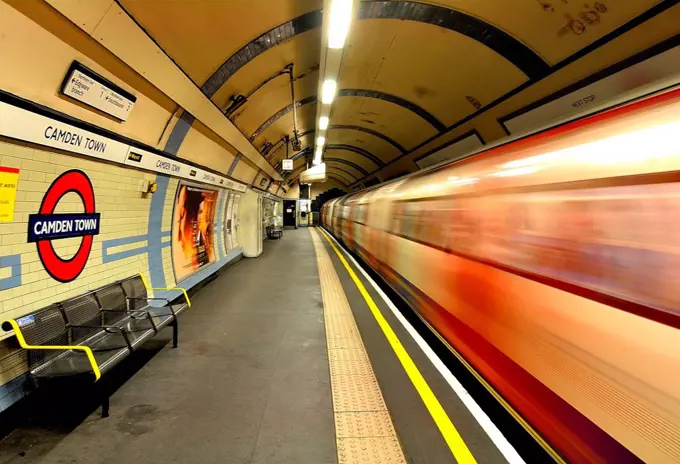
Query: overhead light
{"points": [[319, 152], [316, 161], [341, 16], [320, 141], [323, 122], [328, 91]]}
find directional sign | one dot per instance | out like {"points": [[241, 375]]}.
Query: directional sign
{"points": [[92, 89]]}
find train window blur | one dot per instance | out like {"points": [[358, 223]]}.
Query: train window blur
{"points": [[609, 239], [360, 214]]}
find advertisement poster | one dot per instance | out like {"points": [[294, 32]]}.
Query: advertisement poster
{"points": [[228, 223], [193, 243], [9, 178]]}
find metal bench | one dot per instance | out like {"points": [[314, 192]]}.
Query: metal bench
{"points": [[87, 335], [274, 232]]}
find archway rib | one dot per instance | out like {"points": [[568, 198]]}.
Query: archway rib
{"points": [[510, 48]]}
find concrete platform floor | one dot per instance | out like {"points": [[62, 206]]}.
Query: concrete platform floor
{"points": [[249, 382]]}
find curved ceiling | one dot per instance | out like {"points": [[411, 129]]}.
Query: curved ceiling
{"points": [[412, 72]]}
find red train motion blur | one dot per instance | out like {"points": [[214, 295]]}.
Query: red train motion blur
{"points": [[551, 264]]}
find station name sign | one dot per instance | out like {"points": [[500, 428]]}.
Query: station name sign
{"points": [[56, 226], [22, 124], [86, 86]]}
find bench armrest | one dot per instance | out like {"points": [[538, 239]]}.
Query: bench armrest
{"points": [[88, 351], [180, 289], [139, 298], [167, 289]]}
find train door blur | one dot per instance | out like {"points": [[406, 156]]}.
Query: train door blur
{"points": [[290, 213], [382, 217]]}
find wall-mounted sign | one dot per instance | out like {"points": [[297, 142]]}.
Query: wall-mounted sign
{"points": [[648, 76], [153, 162], [19, 123], [85, 85], [287, 164], [9, 178], [48, 225], [458, 149]]}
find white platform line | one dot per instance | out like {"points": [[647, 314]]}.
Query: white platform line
{"points": [[495, 435]]}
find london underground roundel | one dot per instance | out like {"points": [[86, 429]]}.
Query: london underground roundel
{"points": [[47, 226]]}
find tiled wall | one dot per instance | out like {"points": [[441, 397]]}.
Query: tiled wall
{"points": [[134, 238]]}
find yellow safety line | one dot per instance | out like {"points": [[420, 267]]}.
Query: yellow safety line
{"points": [[453, 439], [507, 406], [26, 346], [186, 297], [363, 426]]}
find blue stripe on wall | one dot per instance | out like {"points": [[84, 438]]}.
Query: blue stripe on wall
{"points": [[109, 257], [155, 234], [13, 262]]}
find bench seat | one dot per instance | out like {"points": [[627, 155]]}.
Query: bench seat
{"points": [[89, 334]]}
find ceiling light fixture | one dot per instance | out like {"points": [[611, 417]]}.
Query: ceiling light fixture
{"points": [[328, 91], [323, 122], [340, 18]]}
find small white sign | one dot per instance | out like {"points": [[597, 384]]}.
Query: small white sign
{"points": [[92, 91], [287, 164]]}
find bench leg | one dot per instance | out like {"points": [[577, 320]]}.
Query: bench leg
{"points": [[105, 405], [175, 333]]}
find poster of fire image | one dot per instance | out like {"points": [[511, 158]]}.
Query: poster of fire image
{"points": [[193, 243]]}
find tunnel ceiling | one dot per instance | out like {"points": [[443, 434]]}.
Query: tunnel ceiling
{"points": [[410, 70]]}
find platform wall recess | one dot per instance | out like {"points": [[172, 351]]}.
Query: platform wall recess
{"points": [[135, 237]]}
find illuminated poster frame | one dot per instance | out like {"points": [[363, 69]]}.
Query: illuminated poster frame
{"points": [[193, 240]]}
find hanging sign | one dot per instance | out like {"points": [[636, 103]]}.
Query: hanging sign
{"points": [[48, 225], [9, 178], [85, 85], [287, 164]]}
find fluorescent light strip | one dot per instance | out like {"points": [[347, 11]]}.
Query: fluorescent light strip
{"points": [[328, 91], [323, 122], [340, 19]]}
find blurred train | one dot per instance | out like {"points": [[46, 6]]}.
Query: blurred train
{"points": [[551, 264]]}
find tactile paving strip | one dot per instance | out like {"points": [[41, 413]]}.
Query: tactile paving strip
{"points": [[363, 426], [373, 450], [356, 393]]}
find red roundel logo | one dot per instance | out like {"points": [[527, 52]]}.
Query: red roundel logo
{"points": [[47, 226]]}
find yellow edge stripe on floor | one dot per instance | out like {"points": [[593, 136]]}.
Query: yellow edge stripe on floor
{"points": [[363, 426], [453, 439]]}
